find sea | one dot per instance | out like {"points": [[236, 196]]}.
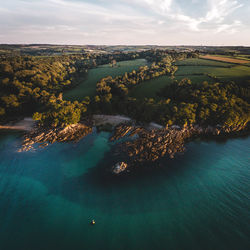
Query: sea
{"points": [[200, 200]]}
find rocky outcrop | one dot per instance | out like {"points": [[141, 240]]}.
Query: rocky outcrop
{"points": [[119, 168], [44, 136], [152, 144]]}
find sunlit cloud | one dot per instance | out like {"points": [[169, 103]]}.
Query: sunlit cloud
{"points": [[124, 21]]}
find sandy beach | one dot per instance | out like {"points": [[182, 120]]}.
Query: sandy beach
{"points": [[26, 125], [111, 119]]}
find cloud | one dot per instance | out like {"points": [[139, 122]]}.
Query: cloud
{"points": [[219, 9], [118, 21], [229, 28], [161, 6]]}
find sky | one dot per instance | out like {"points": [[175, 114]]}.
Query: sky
{"points": [[126, 22]]}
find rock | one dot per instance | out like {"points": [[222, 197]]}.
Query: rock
{"points": [[119, 167], [51, 135], [216, 131]]}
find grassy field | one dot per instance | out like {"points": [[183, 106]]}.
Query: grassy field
{"points": [[86, 86], [237, 73], [225, 59], [196, 69], [203, 62], [224, 71], [149, 89], [238, 56]]}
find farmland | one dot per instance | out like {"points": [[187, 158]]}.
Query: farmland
{"points": [[202, 62], [237, 56], [197, 70], [86, 85], [225, 59], [149, 89], [221, 70]]}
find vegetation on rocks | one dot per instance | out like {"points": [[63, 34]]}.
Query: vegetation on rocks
{"points": [[61, 113]]}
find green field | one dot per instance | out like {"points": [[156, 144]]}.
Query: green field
{"points": [[149, 89], [197, 70], [86, 86], [224, 71], [202, 62]]}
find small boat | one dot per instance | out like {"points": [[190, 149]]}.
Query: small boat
{"points": [[92, 222]]}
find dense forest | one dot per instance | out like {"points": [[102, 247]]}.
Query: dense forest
{"points": [[180, 103], [34, 85], [29, 83], [185, 103]]}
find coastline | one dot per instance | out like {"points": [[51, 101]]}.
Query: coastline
{"points": [[27, 124], [151, 143]]}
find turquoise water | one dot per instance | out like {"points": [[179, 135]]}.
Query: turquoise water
{"points": [[200, 200]]}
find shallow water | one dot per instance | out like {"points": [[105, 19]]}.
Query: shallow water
{"points": [[200, 200]]}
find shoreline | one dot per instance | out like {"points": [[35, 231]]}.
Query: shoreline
{"points": [[150, 145], [151, 137], [26, 124]]}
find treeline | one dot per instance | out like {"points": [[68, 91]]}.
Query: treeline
{"points": [[119, 86], [185, 103], [27, 83], [167, 56], [59, 112], [162, 64], [226, 104], [180, 103], [94, 59], [33, 85]]}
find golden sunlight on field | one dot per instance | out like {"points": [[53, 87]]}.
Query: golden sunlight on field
{"points": [[224, 59]]}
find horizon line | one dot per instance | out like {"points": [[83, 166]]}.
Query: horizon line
{"points": [[138, 45]]}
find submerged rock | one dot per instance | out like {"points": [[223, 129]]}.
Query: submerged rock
{"points": [[119, 167]]}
